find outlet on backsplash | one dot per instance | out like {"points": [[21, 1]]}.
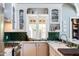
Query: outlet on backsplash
{"points": [[6, 37]]}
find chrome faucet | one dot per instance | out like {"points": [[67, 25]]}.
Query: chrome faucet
{"points": [[65, 37]]}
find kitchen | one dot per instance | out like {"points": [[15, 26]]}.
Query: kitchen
{"points": [[40, 29]]}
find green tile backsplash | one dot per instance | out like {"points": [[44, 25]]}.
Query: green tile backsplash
{"points": [[15, 36], [53, 35], [22, 36]]}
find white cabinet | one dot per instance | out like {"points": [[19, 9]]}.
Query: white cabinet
{"points": [[21, 21], [37, 26], [54, 23], [18, 21]]}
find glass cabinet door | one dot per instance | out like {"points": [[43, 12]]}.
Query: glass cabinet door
{"points": [[21, 20], [18, 23], [54, 15], [32, 26], [54, 27], [37, 27], [42, 26], [54, 21], [37, 22]]}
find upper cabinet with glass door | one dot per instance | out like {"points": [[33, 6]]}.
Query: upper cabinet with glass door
{"points": [[54, 21], [54, 15], [37, 19], [21, 20]]}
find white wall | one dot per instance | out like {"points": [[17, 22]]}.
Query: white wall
{"points": [[8, 10], [68, 11]]}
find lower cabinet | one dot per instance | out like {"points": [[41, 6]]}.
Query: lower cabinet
{"points": [[1, 49], [52, 52], [35, 49], [28, 49], [43, 49]]}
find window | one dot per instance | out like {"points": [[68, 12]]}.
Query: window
{"points": [[54, 15], [21, 19]]}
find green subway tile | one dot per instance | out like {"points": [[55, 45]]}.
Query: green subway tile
{"points": [[53, 36], [15, 36]]}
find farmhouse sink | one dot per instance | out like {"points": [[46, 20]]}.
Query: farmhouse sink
{"points": [[69, 51]]}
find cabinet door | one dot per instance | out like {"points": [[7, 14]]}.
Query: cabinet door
{"points": [[8, 27], [43, 49], [53, 52], [1, 49], [29, 49], [21, 22], [32, 26]]}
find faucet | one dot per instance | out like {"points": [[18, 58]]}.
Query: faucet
{"points": [[65, 37]]}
